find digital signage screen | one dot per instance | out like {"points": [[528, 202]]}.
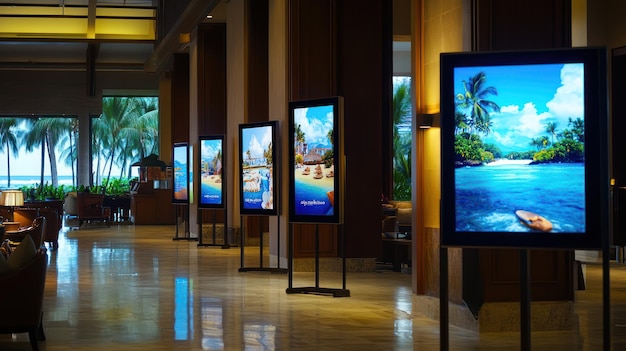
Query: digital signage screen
{"points": [[211, 172], [524, 148], [316, 157], [258, 159], [180, 154]]}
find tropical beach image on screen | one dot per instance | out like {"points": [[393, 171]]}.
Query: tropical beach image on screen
{"points": [[211, 171], [180, 173], [314, 161], [520, 148], [257, 163]]}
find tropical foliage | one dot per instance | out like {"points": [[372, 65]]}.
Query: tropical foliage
{"points": [[401, 142], [126, 132], [566, 147], [472, 117]]}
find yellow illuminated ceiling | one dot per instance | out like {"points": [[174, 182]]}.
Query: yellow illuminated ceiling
{"points": [[78, 20]]}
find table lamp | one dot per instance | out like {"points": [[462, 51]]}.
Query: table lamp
{"points": [[12, 199]]}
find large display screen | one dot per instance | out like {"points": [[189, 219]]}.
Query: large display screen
{"points": [[524, 148], [316, 156], [258, 159], [180, 154], [211, 172]]}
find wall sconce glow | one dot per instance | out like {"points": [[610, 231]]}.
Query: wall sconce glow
{"points": [[427, 120]]}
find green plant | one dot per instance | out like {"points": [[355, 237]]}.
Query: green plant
{"points": [[116, 186], [45, 192]]}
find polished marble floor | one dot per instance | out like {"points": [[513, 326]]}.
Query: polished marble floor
{"points": [[134, 288]]}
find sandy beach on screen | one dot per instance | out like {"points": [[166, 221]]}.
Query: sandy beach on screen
{"points": [[325, 180]]}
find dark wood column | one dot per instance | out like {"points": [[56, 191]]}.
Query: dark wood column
{"points": [[211, 78], [180, 97], [211, 75], [257, 86], [344, 48], [519, 25]]}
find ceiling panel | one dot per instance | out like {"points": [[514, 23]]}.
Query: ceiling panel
{"points": [[123, 37], [142, 3]]}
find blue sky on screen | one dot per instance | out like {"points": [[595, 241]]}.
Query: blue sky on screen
{"points": [[180, 155], [256, 140], [315, 122], [529, 97], [210, 148]]}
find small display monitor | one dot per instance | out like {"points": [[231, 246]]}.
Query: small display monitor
{"points": [[258, 159], [181, 173], [316, 160], [211, 177]]}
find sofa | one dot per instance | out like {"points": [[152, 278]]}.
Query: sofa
{"points": [[83, 207], [396, 233], [397, 216], [26, 217], [22, 278]]}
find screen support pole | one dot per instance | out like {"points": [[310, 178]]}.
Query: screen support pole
{"points": [[317, 256], [606, 294], [524, 283], [317, 290], [444, 318], [344, 265], [241, 242], [290, 257], [225, 245], [184, 209], [260, 267]]}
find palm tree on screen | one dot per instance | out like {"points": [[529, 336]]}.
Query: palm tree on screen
{"points": [[551, 129], [299, 135], [474, 100]]}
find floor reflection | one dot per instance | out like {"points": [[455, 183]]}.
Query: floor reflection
{"points": [[134, 288]]}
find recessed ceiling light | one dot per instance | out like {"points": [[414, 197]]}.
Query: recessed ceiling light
{"points": [[209, 16]]}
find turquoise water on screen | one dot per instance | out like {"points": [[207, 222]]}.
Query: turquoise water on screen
{"points": [[488, 196]]}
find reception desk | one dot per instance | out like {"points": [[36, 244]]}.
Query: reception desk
{"points": [[152, 207]]}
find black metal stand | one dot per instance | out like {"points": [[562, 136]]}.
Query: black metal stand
{"points": [[606, 294], [444, 316], [213, 242], [184, 209], [317, 290], [260, 267], [524, 284]]}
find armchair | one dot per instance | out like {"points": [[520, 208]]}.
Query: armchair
{"points": [[89, 207], [23, 291], [37, 232]]}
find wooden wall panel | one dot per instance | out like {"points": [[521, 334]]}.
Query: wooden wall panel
{"points": [[179, 76], [521, 25], [304, 240], [211, 78], [257, 61], [364, 76], [344, 48], [551, 275], [312, 61]]}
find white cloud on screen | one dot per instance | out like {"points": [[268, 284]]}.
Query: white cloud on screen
{"points": [[255, 148], [568, 99], [315, 129], [515, 127]]}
